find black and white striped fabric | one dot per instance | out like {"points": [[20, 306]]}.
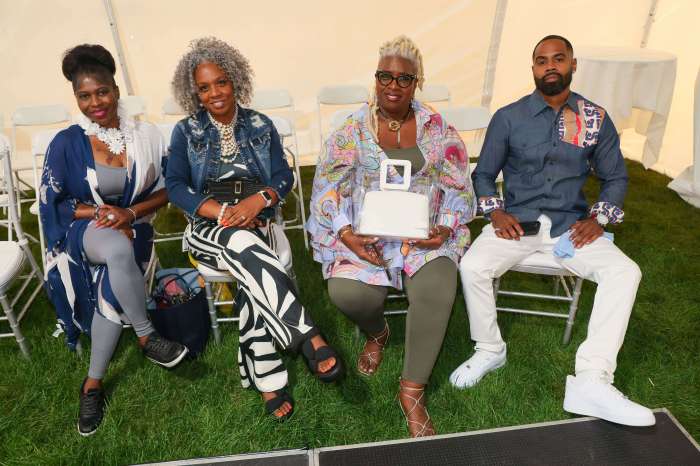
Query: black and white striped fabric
{"points": [[270, 312]]}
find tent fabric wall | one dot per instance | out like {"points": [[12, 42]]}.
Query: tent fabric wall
{"points": [[307, 44]]}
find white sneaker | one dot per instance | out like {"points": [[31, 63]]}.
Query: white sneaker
{"points": [[595, 396], [475, 368]]}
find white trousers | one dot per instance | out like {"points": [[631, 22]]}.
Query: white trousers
{"points": [[616, 274]]}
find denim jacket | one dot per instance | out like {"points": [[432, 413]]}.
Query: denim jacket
{"points": [[195, 151]]}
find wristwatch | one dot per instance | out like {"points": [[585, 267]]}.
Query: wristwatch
{"points": [[602, 220], [267, 197]]}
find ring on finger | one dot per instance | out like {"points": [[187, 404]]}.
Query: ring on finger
{"points": [[110, 217]]}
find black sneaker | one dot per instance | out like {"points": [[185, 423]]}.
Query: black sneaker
{"points": [[92, 409], [164, 352]]}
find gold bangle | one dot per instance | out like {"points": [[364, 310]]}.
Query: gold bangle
{"points": [[344, 230]]}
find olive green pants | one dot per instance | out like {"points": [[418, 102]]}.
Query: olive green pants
{"points": [[431, 294]]}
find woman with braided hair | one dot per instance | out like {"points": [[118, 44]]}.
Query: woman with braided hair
{"points": [[361, 269]]}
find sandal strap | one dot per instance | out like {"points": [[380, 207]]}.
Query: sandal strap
{"points": [[417, 404], [273, 404]]}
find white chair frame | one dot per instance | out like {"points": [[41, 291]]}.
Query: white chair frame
{"points": [[571, 284], [22, 242]]}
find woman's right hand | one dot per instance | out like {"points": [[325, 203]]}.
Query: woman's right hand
{"points": [[364, 247]]}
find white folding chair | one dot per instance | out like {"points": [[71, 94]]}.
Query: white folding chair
{"points": [[14, 254], [35, 118], [40, 144], [541, 263], [434, 93], [134, 105], [281, 100], [342, 95], [171, 108]]}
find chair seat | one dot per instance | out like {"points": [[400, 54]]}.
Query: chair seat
{"points": [[12, 259], [540, 263], [213, 275]]}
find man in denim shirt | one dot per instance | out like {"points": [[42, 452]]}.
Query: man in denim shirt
{"points": [[546, 145]]}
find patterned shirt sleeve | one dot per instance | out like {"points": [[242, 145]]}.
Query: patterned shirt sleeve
{"points": [[610, 211], [331, 199], [458, 204], [490, 203], [609, 167]]}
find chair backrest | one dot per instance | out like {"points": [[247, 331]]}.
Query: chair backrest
{"points": [[40, 115], [267, 99], [135, 105], [42, 139], [283, 125], [166, 129], [171, 107], [467, 118], [434, 93], [7, 181], [343, 95], [338, 118], [349, 94]]}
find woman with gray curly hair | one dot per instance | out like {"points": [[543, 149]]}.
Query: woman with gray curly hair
{"points": [[227, 170]]}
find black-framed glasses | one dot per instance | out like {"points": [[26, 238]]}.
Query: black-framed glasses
{"points": [[403, 80]]}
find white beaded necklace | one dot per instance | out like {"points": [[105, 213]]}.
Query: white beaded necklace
{"points": [[113, 138], [229, 146]]}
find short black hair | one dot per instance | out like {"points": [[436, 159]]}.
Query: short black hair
{"points": [[89, 59], [569, 47]]}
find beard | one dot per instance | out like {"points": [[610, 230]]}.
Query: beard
{"points": [[554, 87]]}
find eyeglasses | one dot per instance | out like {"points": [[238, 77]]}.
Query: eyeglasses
{"points": [[403, 80]]}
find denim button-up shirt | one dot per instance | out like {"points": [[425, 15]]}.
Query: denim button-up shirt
{"points": [[195, 152], [546, 157]]}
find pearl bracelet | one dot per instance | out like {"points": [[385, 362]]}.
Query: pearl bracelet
{"points": [[221, 213]]}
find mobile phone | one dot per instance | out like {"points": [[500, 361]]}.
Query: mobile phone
{"points": [[530, 228]]}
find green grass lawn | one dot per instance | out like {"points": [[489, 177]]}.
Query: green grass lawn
{"points": [[199, 409]]}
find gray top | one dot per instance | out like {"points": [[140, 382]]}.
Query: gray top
{"points": [[111, 181], [412, 154]]}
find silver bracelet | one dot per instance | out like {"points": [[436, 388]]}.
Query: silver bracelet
{"points": [[132, 213], [221, 213]]}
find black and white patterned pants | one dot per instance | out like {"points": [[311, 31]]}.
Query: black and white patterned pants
{"points": [[270, 312]]}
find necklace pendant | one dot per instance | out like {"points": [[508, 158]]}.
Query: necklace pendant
{"points": [[394, 125]]}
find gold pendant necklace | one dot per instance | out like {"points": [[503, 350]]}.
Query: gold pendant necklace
{"points": [[395, 125]]}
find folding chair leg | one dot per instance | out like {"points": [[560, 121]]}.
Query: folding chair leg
{"points": [[496, 287], [573, 307], [14, 325], [212, 312]]}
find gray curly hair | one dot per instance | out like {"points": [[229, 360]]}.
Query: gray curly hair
{"points": [[218, 52]]}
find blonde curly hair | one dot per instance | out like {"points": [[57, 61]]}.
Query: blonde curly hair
{"points": [[400, 46]]}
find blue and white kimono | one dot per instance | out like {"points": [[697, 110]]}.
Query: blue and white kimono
{"points": [[78, 288]]}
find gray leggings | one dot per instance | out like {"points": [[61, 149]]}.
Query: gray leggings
{"points": [[110, 247], [431, 294]]}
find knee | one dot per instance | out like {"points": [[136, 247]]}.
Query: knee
{"points": [[472, 265], [631, 272], [119, 252], [348, 298]]}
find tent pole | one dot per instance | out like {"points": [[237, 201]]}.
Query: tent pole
{"points": [[651, 17], [118, 45], [492, 57]]}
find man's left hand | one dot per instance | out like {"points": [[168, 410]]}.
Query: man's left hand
{"points": [[585, 232]]}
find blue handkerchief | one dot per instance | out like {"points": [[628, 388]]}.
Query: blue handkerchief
{"points": [[565, 248]]}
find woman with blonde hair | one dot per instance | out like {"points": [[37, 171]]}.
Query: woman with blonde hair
{"points": [[361, 269]]}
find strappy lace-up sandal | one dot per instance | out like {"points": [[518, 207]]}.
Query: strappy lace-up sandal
{"points": [[374, 358], [415, 428]]}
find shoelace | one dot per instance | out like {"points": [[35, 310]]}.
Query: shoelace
{"points": [[483, 358], [157, 344], [90, 403]]}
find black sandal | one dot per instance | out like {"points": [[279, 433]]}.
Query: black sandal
{"points": [[276, 403], [314, 357]]}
